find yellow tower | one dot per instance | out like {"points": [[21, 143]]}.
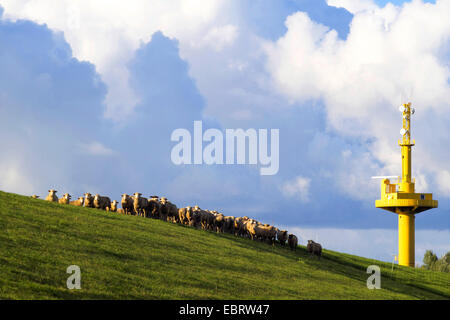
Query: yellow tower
{"points": [[404, 201]]}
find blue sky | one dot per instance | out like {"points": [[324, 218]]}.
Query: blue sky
{"points": [[398, 2], [90, 104]]}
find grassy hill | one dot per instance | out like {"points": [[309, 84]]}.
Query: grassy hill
{"points": [[128, 257]]}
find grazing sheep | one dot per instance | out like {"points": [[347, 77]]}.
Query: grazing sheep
{"points": [[164, 210], [251, 228], [88, 200], [154, 208], [172, 212], [207, 219], [219, 221], [101, 202], [169, 210], [113, 207], [52, 196], [239, 226], [268, 233], [182, 215], [282, 236], [127, 204], [79, 202], [196, 217], [292, 241], [314, 248], [211, 219], [228, 224], [189, 216], [140, 205], [263, 232], [65, 199], [35, 196], [192, 216]]}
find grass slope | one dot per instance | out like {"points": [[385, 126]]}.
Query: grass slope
{"points": [[128, 257]]}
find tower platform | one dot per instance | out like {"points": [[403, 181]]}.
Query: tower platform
{"points": [[403, 202]]}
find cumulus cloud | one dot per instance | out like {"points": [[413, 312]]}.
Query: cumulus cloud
{"points": [[107, 33], [48, 103], [298, 187]]}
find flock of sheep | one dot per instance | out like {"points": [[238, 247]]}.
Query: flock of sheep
{"points": [[163, 209]]}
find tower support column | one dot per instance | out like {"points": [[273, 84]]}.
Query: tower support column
{"points": [[406, 239]]}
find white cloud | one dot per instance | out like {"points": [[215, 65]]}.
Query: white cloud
{"points": [[443, 180], [353, 6], [95, 148], [391, 55], [220, 37], [298, 187]]}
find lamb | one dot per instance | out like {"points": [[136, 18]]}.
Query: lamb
{"points": [[79, 202], [52, 196], [293, 241], [101, 202], [65, 199], [314, 248], [88, 200]]}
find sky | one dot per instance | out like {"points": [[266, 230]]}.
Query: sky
{"points": [[90, 93]]}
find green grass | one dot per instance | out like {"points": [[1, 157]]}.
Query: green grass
{"points": [[128, 257]]}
